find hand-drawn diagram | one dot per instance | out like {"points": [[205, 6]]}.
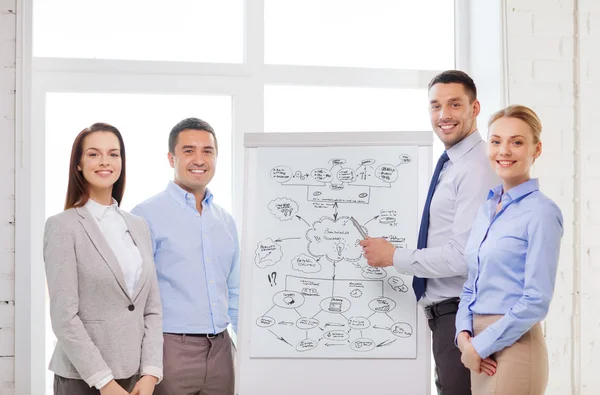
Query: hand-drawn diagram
{"points": [[340, 183], [320, 298]]}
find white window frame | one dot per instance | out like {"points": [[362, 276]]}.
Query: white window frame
{"points": [[243, 82]]}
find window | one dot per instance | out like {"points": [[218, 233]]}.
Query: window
{"points": [[178, 30], [360, 33], [332, 109]]}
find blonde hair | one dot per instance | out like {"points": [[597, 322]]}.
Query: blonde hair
{"points": [[523, 113]]}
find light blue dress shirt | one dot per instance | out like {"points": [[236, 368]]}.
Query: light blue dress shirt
{"points": [[512, 258], [197, 261]]}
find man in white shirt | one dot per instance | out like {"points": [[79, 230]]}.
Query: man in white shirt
{"points": [[459, 186]]}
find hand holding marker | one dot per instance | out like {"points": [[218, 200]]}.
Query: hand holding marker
{"points": [[360, 229]]}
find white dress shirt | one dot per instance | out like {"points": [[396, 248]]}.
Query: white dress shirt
{"points": [[462, 187], [114, 229]]}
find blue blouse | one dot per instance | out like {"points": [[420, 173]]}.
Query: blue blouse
{"points": [[512, 258]]}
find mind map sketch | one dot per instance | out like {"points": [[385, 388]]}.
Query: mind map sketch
{"points": [[314, 296]]}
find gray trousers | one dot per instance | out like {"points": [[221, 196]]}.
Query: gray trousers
{"points": [[64, 386], [197, 365], [452, 376]]}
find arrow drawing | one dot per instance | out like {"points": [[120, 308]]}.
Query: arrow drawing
{"points": [[375, 217], [280, 338], [302, 219], [287, 238], [386, 343], [380, 327]]}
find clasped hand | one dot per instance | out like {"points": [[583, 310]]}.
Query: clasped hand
{"points": [[471, 359]]}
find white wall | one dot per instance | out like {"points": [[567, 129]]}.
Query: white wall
{"points": [[551, 57], [589, 161], [7, 190]]}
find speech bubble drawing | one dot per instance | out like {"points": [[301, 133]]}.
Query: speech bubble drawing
{"points": [[306, 323], [283, 208], [337, 161], [382, 305], [373, 272], [306, 345], [401, 329], [335, 305], [264, 321], [281, 174], [321, 175], [362, 344], [397, 284], [288, 299], [334, 239], [359, 323], [404, 159], [387, 173], [267, 253], [306, 264], [336, 335], [346, 175]]}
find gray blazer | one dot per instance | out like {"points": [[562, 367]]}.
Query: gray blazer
{"points": [[99, 327]]}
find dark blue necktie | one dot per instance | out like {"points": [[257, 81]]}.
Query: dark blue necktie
{"points": [[418, 282]]}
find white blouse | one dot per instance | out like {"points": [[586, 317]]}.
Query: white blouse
{"points": [[114, 229]]}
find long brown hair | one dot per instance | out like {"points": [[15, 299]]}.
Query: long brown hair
{"points": [[77, 191]]}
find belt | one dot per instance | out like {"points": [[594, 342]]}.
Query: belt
{"points": [[208, 335], [448, 306]]}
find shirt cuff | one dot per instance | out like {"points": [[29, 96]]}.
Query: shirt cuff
{"points": [[104, 381], [460, 329], [153, 371], [482, 344], [403, 260]]}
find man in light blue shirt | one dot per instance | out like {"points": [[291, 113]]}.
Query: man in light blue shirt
{"points": [[196, 252]]}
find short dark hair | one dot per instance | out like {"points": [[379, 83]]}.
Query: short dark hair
{"points": [[190, 124], [77, 190], [456, 77]]}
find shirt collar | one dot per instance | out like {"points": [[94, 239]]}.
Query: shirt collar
{"points": [[517, 192], [99, 210], [460, 149], [182, 197]]}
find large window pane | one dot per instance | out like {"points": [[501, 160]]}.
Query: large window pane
{"points": [[144, 122], [174, 30], [334, 109], [404, 34]]}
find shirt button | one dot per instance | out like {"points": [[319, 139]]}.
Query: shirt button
{"points": [[214, 304], [211, 281], [131, 307], [207, 259]]}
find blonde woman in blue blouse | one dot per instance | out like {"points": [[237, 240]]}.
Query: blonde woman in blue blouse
{"points": [[512, 254]]}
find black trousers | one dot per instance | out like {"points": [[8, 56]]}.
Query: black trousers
{"points": [[64, 386], [452, 376]]}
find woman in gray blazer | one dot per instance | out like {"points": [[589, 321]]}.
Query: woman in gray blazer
{"points": [[104, 302]]}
